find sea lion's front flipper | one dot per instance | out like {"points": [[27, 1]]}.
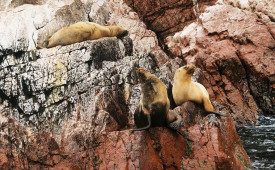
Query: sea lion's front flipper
{"points": [[174, 120]]}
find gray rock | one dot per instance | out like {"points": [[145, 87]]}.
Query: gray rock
{"points": [[50, 83]]}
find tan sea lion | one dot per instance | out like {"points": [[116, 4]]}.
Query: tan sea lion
{"points": [[184, 89], [153, 109], [83, 31]]}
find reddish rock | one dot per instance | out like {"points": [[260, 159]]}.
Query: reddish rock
{"points": [[207, 142], [156, 148], [167, 17], [216, 144], [144, 39], [233, 48], [56, 159], [3, 160]]}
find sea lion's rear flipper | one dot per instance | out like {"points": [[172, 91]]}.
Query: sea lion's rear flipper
{"points": [[218, 113], [146, 127], [175, 118]]}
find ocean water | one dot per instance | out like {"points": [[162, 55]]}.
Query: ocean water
{"points": [[259, 142]]}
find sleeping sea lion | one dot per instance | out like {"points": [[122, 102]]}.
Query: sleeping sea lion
{"points": [[83, 31]]}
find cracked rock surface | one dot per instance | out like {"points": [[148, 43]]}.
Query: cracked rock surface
{"points": [[71, 107], [45, 87], [231, 41], [236, 58]]}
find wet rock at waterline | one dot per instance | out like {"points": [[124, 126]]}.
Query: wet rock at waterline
{"points": [[258, 141]]}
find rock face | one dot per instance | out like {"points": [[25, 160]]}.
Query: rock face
{"points": [[236, 58], [168, 17], [207, 142], [72, 107], [231, 41], [51, 85]]}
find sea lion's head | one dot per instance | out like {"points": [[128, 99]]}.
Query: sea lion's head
{"points": [[118, 32], [190, 69], [122, 34], [142, 74], [185, 71]]}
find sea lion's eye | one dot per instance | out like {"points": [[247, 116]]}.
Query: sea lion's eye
{"points": [[185, 67]]}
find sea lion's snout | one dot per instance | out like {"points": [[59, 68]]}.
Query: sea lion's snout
{"points": [[139, 70], [191, 69], [140, 73]]}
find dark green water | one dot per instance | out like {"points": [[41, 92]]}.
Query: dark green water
{"points": [[259, 142]]}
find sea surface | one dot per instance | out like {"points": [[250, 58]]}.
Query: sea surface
{"points": [[259, 142]]}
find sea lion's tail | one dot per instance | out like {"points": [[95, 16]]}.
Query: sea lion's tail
{"points": [[218, 113]]}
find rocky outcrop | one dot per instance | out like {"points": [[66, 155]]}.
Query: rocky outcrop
{"points": [[90, 138], [168, 17], [207, 142], [48, 86], [144, 40], [232, 43], [235, 57], [72, 107]]}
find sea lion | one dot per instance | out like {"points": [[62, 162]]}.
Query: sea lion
{"points": [[184, 89], [153, 109], [82, 31]]}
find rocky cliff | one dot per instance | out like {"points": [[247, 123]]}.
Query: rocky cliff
{"points": [[72, 107]]}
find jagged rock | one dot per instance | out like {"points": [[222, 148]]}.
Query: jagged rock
{"points": [[29, 26], [257, 6], [144, 40], [166, 18], [215, 138], [207, 142], [231, 56], [71, 107], [49, 84]]}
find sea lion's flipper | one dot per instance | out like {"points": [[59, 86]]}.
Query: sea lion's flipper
{"points": [[218, 113], [146, 127], [174, 126], [176, 120]]}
